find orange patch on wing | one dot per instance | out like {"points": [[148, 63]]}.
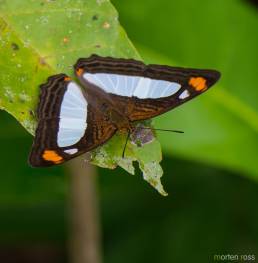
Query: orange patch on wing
{"points": [[198, 83], [52, 156], [79, 72], [67, 79]]}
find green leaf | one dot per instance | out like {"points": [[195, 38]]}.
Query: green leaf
{"points": [[111, 154], [220, 126], [41, 38]]}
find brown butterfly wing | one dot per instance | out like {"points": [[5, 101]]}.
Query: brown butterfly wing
{"points": [[192, 83], [45, 150], [141, 109]]}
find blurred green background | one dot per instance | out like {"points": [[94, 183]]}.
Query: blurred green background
{"points": [[210, 172]]}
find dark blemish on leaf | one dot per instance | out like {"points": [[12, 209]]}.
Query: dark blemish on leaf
{"points": [[95, 17], [32, 113], [22, 112], [14, 46], [97, 46], [42, 61]]}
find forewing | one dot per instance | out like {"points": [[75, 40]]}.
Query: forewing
{"points": [[144, 91]]}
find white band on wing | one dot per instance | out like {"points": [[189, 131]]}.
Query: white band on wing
{"points": [[140, 87], [73, 116]]}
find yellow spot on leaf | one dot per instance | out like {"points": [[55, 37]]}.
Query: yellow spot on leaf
{"points": [[66, 40], [198, 83], [106, 25]]}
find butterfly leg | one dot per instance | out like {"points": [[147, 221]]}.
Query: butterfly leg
{"points": [[127, 138]]}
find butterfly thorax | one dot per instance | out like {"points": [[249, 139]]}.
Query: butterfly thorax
{"points": [[111, 111], [115, 115], [120, 121]]}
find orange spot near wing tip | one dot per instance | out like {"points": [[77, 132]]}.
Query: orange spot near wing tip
{"points": [[79, 72], [67, 79], [198, 83], [52, 156]]}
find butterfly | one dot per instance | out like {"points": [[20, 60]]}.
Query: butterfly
{"points": [[113, 95]]}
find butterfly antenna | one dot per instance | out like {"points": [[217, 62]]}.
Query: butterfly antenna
{"points": [[127, 138], [166, 130]]}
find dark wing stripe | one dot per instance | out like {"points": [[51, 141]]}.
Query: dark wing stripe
{"points": [[97, 64], [51, 95]]}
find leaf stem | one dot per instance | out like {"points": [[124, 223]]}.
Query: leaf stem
{"points": [[84, 217]]}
